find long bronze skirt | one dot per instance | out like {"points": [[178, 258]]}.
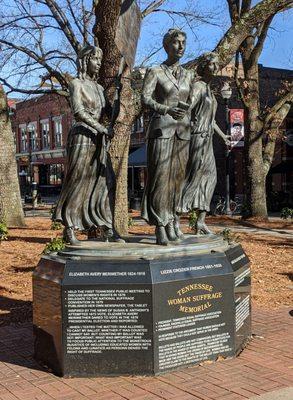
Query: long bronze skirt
{"points": [[166, 162], [84, 201], [201, 174]]}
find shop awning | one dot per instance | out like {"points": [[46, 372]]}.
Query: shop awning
{"points": [[282, 168], [138, 158]]}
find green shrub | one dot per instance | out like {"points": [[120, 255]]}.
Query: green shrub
{"points": [[229, 236], [56, 226], [56, 244], [3, 231], [287, 213], [192, 219]]}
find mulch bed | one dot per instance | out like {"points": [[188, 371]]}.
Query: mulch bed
{"points": [[271, 261]]}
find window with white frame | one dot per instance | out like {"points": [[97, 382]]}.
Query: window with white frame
{"points": [[32, 130], [56, 174], [58, 131], [45, 134], [23, 139]]}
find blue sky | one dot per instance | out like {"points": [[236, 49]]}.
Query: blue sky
{"points": [[201, 36], [277, 52]]}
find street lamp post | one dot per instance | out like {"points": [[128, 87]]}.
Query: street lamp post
{"points": [[226, 93], [33, 184], [30, 150]]}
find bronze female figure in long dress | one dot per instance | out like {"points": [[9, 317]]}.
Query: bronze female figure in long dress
{"points": [[166, 92], [84, 202], [201, 173]]}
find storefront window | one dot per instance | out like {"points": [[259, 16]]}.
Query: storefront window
{"points": [[56, 174]]}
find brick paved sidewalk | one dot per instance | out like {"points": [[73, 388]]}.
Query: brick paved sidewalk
{"points": [[264, 366]]}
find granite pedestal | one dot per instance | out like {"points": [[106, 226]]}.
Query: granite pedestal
{"points": [[138, 308]]}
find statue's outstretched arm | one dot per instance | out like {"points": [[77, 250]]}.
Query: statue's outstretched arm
{"points": [[222, 135]]}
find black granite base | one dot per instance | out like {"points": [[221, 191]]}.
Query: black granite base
{"points": [[144, 316]]}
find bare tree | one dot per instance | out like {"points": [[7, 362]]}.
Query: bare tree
{"points": [[242, 26], [262, 125], [26, 31], [10, 202], [40, 38], [39, 43]]}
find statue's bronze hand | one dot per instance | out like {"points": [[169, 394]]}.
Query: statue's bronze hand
{"points": [[110, 132], [176, 112]]}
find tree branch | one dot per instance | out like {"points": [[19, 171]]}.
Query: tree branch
{"points": [[63, 22], [261, 39], [272, 116], [32, 91], [187, 15], [239, 81], [234, 7], [18, 19], [152, 7], [39, 60], [73, 15], [148, 57], [269, 150], [245, 7], [26, 42], [236, 34], [272, 123]]}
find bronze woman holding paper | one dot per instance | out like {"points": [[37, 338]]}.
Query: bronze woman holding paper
{"points": [[84, 202], [166, 92]]}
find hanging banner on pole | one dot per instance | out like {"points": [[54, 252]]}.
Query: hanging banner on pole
{"points": [[237, 127]]}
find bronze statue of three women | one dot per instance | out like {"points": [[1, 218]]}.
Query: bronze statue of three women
{"points": [[180, 160]]}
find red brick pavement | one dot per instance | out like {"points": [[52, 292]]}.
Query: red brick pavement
{"points": [[265, 365]]}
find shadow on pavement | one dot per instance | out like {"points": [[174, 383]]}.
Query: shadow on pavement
{"points": [[16, 346], [14, 311], [29, 239]]}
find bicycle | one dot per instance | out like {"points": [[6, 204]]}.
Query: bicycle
{"points": [[235, 206], [220, 206]]}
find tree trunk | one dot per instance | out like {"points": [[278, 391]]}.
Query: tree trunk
{"points": [[255, 174], [10, 202], [107, 15], [119, 154], [253, 146]]}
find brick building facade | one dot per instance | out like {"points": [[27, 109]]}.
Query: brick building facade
{"points": [[280, 177], [41, 125]]}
